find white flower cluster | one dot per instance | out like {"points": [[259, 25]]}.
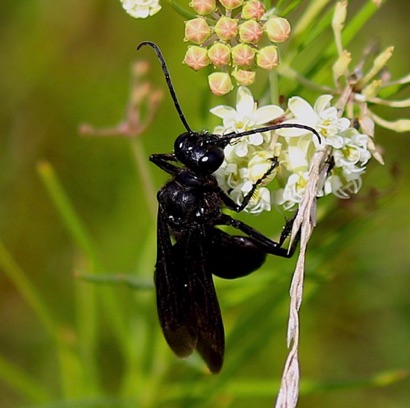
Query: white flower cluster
{"points": [[141, 8], [249, 158]]}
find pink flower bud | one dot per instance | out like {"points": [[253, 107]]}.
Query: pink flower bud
{"points": [[203, 7], [220, 83], [244, 77], [253, 9], [196, 57], [197, 30], [243, 54], [277, 29], [250, 32], [219, 54], [231, 4], [226, 28], [267, 57]]}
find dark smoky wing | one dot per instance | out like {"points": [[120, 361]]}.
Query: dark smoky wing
{"points": [[173, 301], [188, 308], [204, 317]]}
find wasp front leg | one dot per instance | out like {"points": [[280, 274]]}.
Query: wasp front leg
{"points": [[247, 198]]}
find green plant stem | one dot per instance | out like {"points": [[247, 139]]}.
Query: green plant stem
{"points": [[22, 383], [359, 19], [66, 355], [284, 7], [71, 221], [309, 17], [145, 175], [287, 72], [27, 290], [274, 87], [86, 312], [349, 33], [181, 10]]}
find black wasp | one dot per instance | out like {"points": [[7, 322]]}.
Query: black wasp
{"points": [[189, 246]]}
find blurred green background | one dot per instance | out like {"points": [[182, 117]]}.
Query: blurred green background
{"points": [[68, 62]]}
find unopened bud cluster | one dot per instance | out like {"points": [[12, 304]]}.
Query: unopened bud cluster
{"points": [[236, 37]]}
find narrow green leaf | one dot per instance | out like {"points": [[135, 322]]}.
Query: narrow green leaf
{"points": [[82, 238], [66, 209], [21, 383], [382, 379], [134, 282], [181, 10], [26, 290]]}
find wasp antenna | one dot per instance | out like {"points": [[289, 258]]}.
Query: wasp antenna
{"points": [[233, 135], [168, 80]]}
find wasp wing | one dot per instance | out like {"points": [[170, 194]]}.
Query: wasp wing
{"points": [[169, 287], [188, 308], [205, 315]]}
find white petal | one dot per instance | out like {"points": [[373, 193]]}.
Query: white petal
{"points": [[360, 139], [343, 124], [219, 130], [262, 202], [245, 104], [241, 149], [322, 103], [302, 143], [302, 111], [267, 113], [140, 12], [256, 139], [328, 113], [335, 141], [297, 160], [246, 187], [244, 173], [224, 112], [229, 152]]}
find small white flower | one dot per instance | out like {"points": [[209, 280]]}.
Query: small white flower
{"points": [[344, 181], [352, 172], [228, 176], [238, 180], [260, 201], [293, 192], [246, 116], [340, 187], [354, 150], [259, 166], [249, 159], [332, 184], [296, 157], [323, 117], [141, 8]]}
